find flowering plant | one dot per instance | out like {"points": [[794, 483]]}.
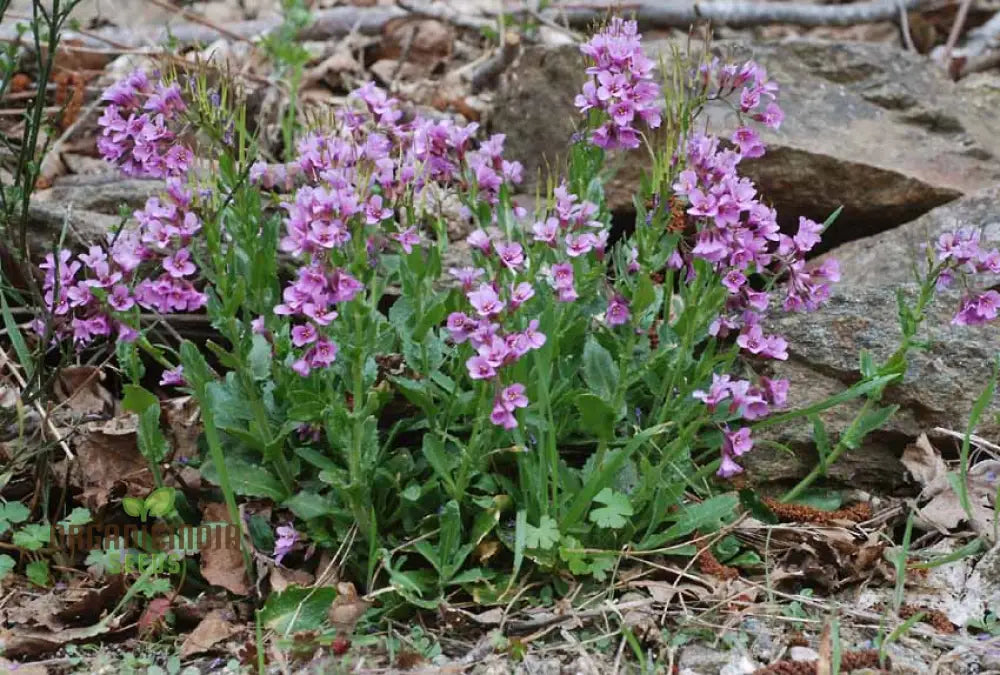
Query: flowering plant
{"points": [[541, 385]]}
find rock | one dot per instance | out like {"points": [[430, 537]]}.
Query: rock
{"points": [[939, 388], [880, 131], [863, 262], [697, 659]]}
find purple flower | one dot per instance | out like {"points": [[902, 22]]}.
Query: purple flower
{"points": [[486, 301], [623, 87], [617, 312], [179, 264], [718, 392], [480, 368], [978, 310], [512, 397], [408, 238], [173, 377], [303, 335], [511, 255], [285, 541]]}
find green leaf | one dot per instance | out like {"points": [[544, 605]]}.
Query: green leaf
{"points": [[599, 369], [297, 609], [78, 516], [451, 535], [614, 513], [138, 399], [14, 512], [160, 502], [134, 507], [152, 443], [439, 459], [867, 424], [248, 479], [645, 294], [596, 415], [545, 536], [37, 572], [822, 499], [33, 537], [822, 440], [309, 505], [16, 338], [259, 358], [6, 565], [706, 514]]}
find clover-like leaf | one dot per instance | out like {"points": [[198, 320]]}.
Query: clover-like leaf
{"points": [[544, 536], [614, 513]]}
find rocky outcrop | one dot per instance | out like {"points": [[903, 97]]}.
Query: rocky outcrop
{"points": [[880, 131], [939, 389], [891, 258]]}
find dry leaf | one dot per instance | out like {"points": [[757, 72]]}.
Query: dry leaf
{"points": [[282, 578], [346, 609], [924, 463], [183, 422], [22, 668], [824, 662], [108, 458], [80, 390], [212, 630], [222, 565]]}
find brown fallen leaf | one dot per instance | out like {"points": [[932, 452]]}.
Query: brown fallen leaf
{"points": [[347, 609], [282, 578], [182, 420], [81, 391], [212, 630], [109, 459], [222, 565], [942, 508]]}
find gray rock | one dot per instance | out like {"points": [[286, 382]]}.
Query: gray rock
{"points": [[889, 258], [875, 129], [940, 386]]}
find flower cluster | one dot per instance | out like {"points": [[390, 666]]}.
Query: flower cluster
{"points": [[962, 255], [355, 178], [150, 265], [622, 85], [739, 236], [134, 128]]}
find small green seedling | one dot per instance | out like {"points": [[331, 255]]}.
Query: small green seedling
{"points": [[158, 503]]}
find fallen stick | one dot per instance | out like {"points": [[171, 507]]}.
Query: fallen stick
{"points": [[736, 13], [337, 22]]}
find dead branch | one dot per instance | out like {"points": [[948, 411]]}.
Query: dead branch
{"points": [[736, 13], [337, 22]]}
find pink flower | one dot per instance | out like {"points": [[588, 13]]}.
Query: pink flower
{"points": [[511, 255], [617, 312], [173, 377], [303, 335], [512, 397], [120, 299], [486, 301], [503, 417], [520, 294], [408, 238], [179, 264], [480, 368]]}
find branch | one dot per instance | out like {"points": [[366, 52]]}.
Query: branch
{"points": [[736, 13]]}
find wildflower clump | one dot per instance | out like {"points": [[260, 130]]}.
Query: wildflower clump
{"points": [[414, 355]]}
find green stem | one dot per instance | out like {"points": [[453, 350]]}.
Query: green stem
{"points": [[219, 461], [471, 454]]}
